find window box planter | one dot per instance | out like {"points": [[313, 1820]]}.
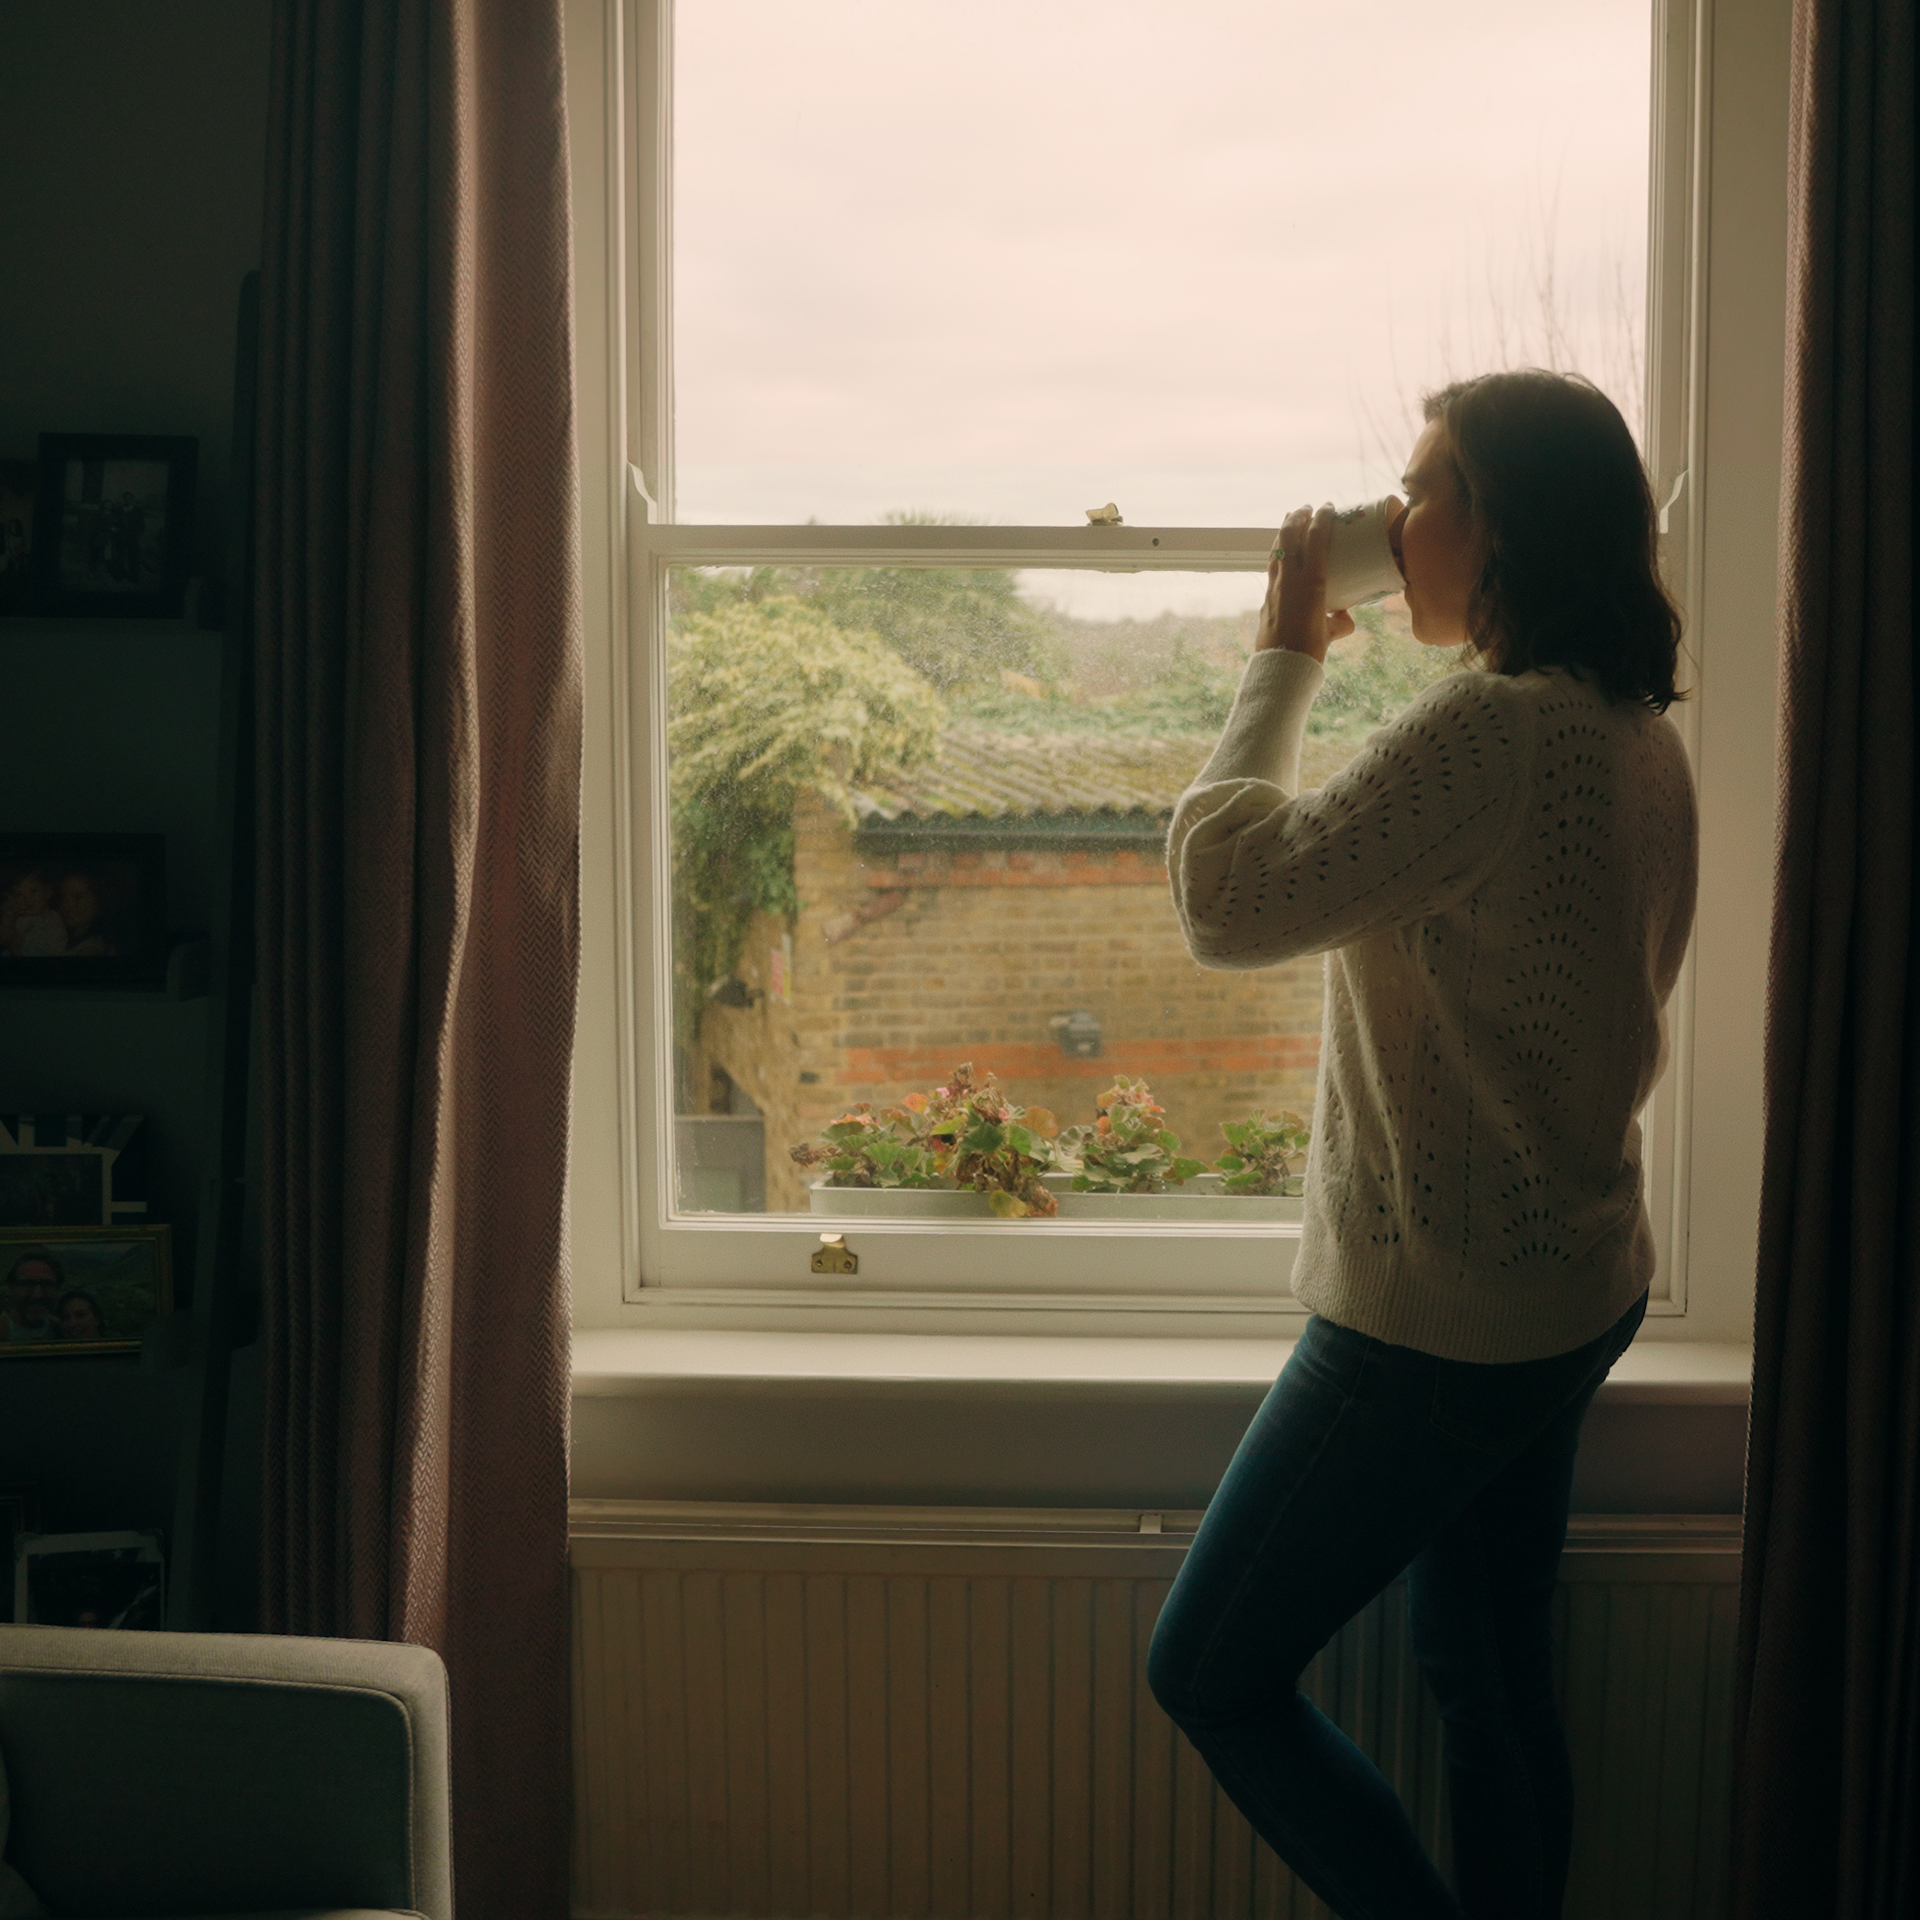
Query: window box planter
{"points": [[1202, 1200]]}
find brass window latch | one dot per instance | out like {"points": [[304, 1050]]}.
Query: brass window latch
{"points": [[832, 1255]]}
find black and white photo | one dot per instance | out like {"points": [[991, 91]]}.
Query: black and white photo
{"points": [[72, 1169], [114, 523], [105, 1580], [19, 1516]]}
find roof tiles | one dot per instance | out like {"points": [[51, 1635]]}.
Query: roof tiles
{"points": [[997, 776]]}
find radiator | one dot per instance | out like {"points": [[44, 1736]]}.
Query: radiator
{"points": [[886, 1712]]}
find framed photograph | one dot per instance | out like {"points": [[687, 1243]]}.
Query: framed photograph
{"points": [[19, 480], [72, 1169], [83, 909], [113, 531], [90, 1580], [19, 1516], [70, 1291]]}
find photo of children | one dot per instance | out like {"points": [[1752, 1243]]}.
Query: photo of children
{"points": [[30, 926], [81, 1290], [72, 906]]}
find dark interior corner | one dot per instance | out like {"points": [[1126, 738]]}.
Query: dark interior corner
{"points": [[135, 137]]}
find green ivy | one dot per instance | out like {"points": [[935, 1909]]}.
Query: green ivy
{"points": [[765, 699]]}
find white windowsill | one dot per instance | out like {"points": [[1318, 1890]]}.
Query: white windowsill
{"points": [[614, 1362]]}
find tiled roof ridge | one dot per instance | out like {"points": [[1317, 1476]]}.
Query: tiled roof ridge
{"points": [[1077, 736], [981, 772]]}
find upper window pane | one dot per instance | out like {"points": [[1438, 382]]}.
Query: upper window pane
{"points": [[1012, 260]]}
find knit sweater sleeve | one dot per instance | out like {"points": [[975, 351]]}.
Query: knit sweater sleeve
{"points": [[1263, 872]]}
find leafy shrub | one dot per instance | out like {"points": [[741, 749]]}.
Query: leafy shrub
{"points": [[1128, 1149], [957, 627], [1263, 1152], [763, 699]]}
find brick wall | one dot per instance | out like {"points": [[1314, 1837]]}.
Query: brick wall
{"points": [[904, 965]]}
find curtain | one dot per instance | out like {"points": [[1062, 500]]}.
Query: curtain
{"points": [[418, 758], [1827, 1712]]}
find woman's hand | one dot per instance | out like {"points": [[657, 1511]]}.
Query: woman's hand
{"points": [[1295, 614]]}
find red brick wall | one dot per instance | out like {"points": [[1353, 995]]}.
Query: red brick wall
{"points": [[905, 965]]}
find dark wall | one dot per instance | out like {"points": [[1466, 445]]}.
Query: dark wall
{"points": [[132, 137]]}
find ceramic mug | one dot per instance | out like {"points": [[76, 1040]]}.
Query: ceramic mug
{"points": [[1360, 562]]}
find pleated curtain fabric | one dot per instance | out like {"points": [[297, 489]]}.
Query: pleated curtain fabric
{"points": [[418, 778], [1828, 1701]]}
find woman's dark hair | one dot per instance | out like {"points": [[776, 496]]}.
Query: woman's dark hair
{"points": [[1571, 579], [93, 1305]]}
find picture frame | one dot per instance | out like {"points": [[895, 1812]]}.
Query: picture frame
{"points": [[83, 909], [102, 1580], [72, 1169], [74, 1292], [19, 487], [113, 524], [19, 1517]]}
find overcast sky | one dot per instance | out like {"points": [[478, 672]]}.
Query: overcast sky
{"points": [[1198, 259]]}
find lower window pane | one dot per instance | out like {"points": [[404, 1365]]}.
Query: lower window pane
{"points": [[919, 822]]}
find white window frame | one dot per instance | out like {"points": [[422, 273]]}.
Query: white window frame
{"points": [[1715, 353]]}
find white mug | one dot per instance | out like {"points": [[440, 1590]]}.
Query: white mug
{"points": [[1360, 562]]}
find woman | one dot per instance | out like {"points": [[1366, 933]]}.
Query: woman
{"points": [[80, 1317], [1503, 884]]}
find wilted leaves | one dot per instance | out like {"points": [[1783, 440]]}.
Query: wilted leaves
{"points": [[969, 1134], [1129, 1149]]}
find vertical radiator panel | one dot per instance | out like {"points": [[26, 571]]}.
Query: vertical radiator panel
{"points": [[911, 1720]]}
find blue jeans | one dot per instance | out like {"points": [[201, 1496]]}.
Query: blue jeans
{"points": [[1366, 1459]]}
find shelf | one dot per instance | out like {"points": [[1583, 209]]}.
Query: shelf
{"points": [[188, 961], [40, 626]]}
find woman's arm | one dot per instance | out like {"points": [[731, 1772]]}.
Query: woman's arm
{"points": [[1262, 872]]}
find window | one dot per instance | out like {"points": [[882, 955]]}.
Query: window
{"points": [[894, 295]]}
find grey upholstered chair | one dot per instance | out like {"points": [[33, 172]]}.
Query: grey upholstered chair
{"points": [[229, 1775]]}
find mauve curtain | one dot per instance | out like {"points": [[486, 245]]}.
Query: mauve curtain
{"points": [[1828, 1704], [418, 760]]}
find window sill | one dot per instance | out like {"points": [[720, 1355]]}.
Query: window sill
{"points": [[614, 1363]]}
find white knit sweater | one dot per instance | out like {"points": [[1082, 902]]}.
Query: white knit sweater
{"points": [[1503, 884]]}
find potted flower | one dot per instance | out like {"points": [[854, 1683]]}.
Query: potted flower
{"points": [[966, 1151], [1131, 1167], [1266, 1153], [1129, 1148], [965, 1141]]}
